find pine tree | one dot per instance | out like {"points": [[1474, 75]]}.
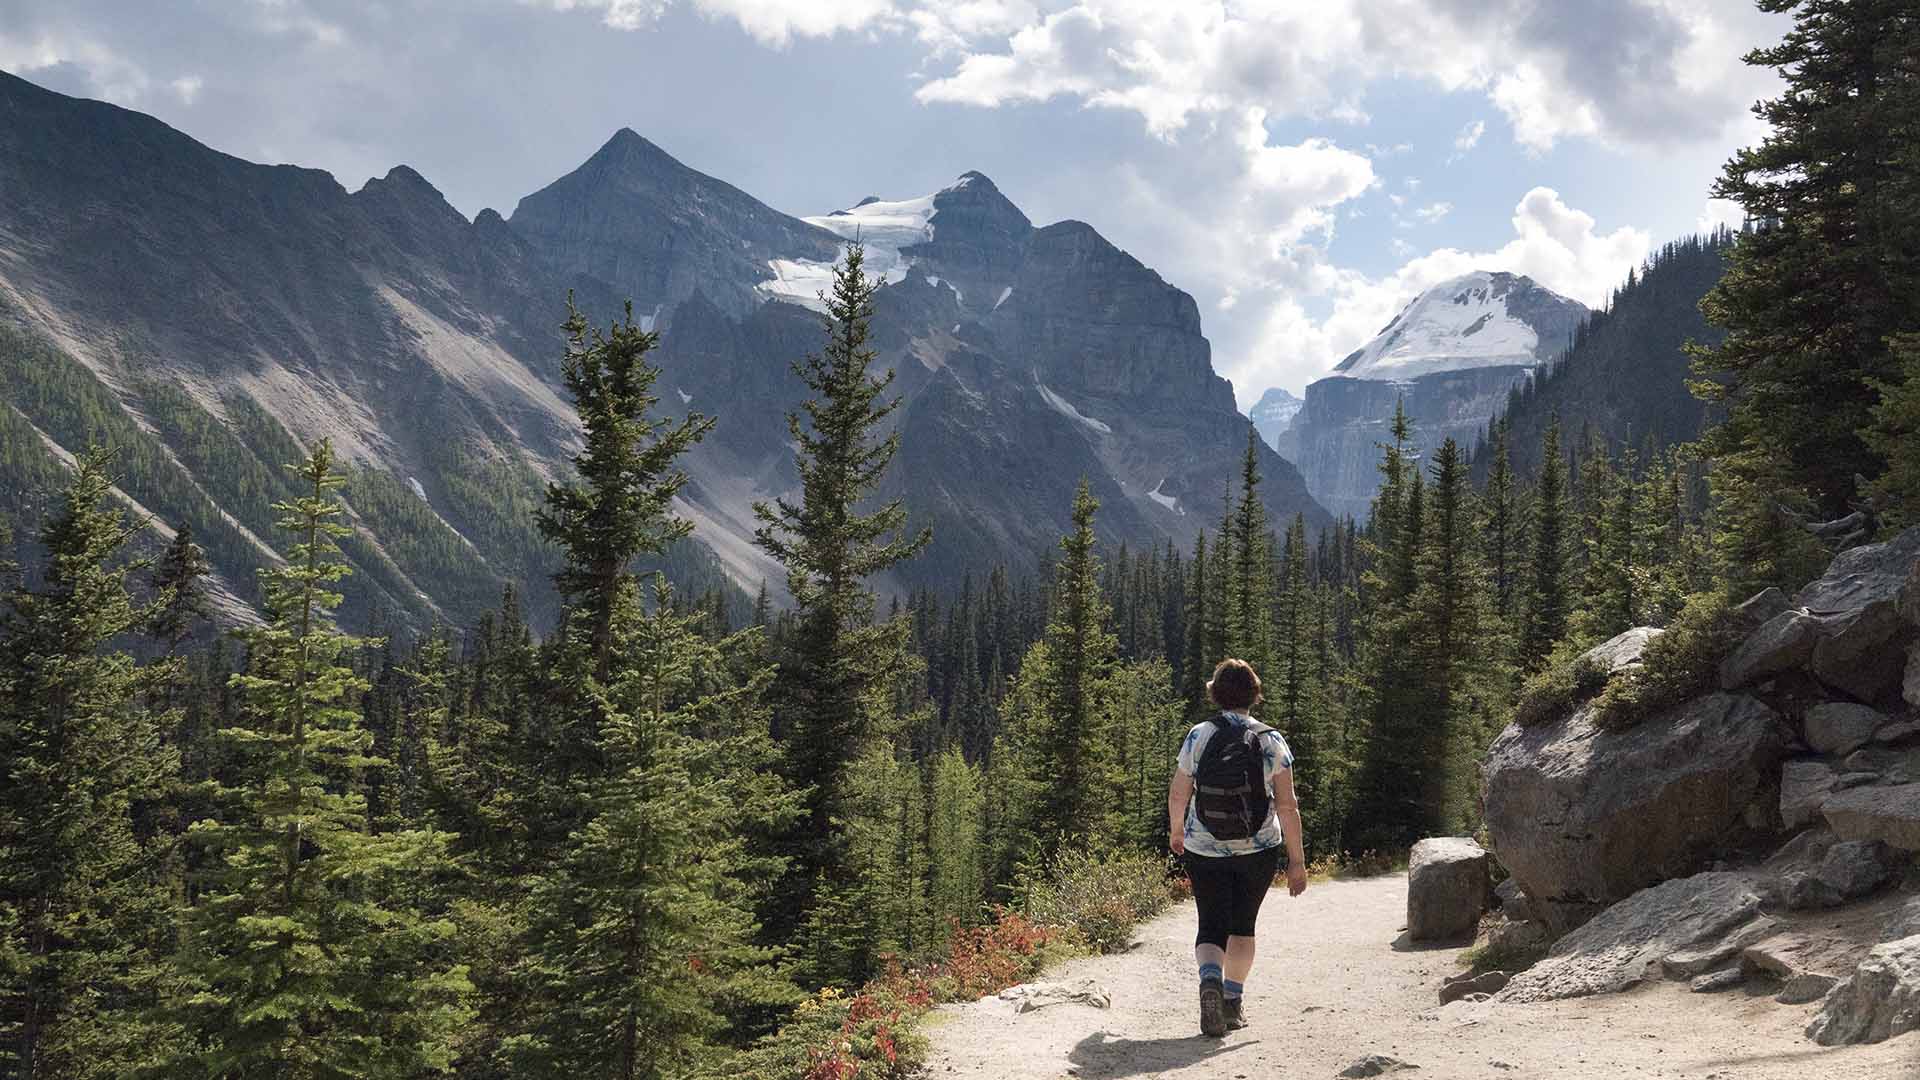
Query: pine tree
{"points": [[309, 955], [1080, 651], [82, 910], [829, 549], [1198, 660], [1547, 603], [627, 469], [645, 931], [1501, 524], [179, 583], [955, 886], [1462, 683], [1250, 573], [1827, 277]]}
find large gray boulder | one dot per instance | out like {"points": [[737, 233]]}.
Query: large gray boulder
{"points": [[1841, 727], [1781, 644], [1847, 628], [1879, 1000], [1890, 815], [1620, 652], [1860, 647], [1582, 816], [1626, 944], [1449, 884]]}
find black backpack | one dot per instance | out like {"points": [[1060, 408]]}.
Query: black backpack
{"points": [[1230, 781]]}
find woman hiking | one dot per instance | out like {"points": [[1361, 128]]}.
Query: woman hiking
{"points": [[1230, 807]]}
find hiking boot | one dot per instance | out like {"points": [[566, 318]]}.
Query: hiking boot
{"points": [[1213, 1019], [1233, 1010]]}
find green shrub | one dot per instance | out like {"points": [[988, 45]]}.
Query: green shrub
{"points": [[1566, 682], [1682, 663], [1503, 953], [1098, 898]]}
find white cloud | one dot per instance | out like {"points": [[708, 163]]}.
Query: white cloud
{"points": [[1433, 212], [187, 87], [1469, 136], [1641, 71], [771, 22], [1720, 212]]}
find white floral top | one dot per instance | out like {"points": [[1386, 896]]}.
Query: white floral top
{"points": [[1273, 746]]}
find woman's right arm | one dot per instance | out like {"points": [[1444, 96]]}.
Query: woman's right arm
{"points": [[1179, 792]]}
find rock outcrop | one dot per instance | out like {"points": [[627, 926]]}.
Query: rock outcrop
{"points": [[1878, 1000], [1627, 943], [1449, 883], [1583, 817]]}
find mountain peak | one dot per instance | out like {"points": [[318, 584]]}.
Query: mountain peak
{"points": [[1480, 319]]}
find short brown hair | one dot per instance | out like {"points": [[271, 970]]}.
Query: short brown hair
{"points": [[1235, 685]]}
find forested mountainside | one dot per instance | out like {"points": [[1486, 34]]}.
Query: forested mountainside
{"points": [[1624, 378], [212, 313]]}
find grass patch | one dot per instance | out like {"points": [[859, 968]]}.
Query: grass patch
{"points": [[1682, 663], [1346, 866], [1098, 899]]}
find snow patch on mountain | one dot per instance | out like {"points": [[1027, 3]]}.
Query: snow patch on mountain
{"points": [[419, 491], [1460, 323], [1004, 293], [1066, 409], [1167, 501]]}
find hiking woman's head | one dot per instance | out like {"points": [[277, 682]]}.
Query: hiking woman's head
{"points": [[1235, 686]]}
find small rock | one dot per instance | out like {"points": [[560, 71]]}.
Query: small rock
{"points": [[1028, 997], [1715, 981], [1375, 1065], [1879, 1000], [1488, 983], [1448, 886], [1899, 733], [1804, 786], [1839, 728], [1804, 987], [1688, 963], [1753, 613], [1513, 902], [1620, 652], [1890, 815]]}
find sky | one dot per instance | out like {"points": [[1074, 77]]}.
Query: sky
{"points": [[1302, 167]]}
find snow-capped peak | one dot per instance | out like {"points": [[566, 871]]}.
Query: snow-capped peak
{"points": [[1480, 319]]}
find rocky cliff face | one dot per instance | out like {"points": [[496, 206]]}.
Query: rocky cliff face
{"points": [[1451, 356], [223, 312]]}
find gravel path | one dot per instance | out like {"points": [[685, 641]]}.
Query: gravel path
{"points": [[1333, 986]]}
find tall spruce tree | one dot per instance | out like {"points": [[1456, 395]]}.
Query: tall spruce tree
{"points": [[83, 912], [830, 548], [308, 952], [179, 583], [1080, 652], [1824, 280], [1249, 582], [1546, 600], [644, 934]]}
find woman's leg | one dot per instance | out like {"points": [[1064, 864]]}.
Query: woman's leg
{"points": [[1253, 879]]}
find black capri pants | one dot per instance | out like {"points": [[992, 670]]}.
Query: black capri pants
{"points": [[1228, 890]]}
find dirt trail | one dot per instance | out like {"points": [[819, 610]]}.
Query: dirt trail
{"points": [[1331, 987]]}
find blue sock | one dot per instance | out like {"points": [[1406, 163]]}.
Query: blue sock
{"points": [[1209, 971], [1234, 989]]}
